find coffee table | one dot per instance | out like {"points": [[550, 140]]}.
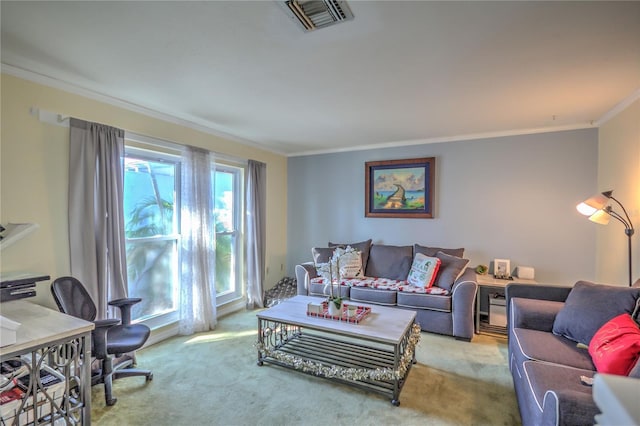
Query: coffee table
{"points": [[376, 354]]}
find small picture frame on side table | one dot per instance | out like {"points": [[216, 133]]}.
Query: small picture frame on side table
{"points": [[502, 269]]}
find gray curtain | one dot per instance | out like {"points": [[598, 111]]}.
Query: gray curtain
{"points": [[197, 280], [256, 231], [96, 218]]}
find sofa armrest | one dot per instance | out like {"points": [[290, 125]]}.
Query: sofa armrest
{"points": [[463, 298], [304, 273], [533, 313], [568, 407]]}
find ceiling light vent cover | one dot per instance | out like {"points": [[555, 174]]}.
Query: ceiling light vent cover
{"points": [[315, 14]]}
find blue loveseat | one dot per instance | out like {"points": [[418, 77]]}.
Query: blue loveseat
{"points": [[549, 329], [446, 308]]}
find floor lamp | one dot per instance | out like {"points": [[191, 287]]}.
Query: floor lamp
{"points": [[598, 211]]}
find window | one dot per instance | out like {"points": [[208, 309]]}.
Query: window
{"points": [[151, 210], [228, 224], [152, 231]]}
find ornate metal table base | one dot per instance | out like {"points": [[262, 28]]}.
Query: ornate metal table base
{"points": [[56, 387], [358, 362]]}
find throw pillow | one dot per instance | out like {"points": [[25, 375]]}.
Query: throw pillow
{"points": [[321, 254], [589, 306], [393, 262], [349, 263], [363, 247], [432, 251], [451, 267], [423, 271], [615, 348]]}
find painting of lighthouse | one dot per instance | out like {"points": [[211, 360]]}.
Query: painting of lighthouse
{"points": [[399, 188]]}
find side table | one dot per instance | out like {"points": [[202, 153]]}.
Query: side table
{"points": [[488, 286]]}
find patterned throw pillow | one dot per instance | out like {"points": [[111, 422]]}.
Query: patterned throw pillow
{"points": [[350, 264], [423, 270]]}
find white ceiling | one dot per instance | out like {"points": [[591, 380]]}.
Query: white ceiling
{"points": [[400, 72]]}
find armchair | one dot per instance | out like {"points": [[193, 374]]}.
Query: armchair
{"points": [[111, 340]]}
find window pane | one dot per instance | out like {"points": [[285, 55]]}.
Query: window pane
{"points": [[150, 269], [149, 188], [151, 228], [225, 263], [224, 201]]}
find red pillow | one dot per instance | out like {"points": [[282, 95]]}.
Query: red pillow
{"points": [[615, 348]]}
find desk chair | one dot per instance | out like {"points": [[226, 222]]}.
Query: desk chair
{"points": [[111, 340]]}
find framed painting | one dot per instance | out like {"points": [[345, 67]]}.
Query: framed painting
{"points": [[400, 188]]}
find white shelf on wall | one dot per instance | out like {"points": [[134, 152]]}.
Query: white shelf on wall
{"points": [[16, 231]]}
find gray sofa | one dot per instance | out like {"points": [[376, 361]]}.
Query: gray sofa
{"points": [[447, 310], [547, 365]]}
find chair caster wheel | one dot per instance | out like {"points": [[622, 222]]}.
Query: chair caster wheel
{"points": [[111, 402], [395, 403], [150, 377]]}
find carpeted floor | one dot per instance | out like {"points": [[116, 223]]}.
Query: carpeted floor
{"points": [[212, 379]]}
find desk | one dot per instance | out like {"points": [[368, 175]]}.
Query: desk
{"points": [[486, 285], [59, 342]]}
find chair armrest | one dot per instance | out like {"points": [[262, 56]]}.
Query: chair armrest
{"points": [[99, 336], [125, 305], [463, 297], [533, 314], [304, 273], [568, 407], [127, 301]]}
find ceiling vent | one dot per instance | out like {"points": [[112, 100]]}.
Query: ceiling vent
{"points": [[315, 14]]}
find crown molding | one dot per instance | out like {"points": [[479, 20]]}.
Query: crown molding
{"points": [[471, 136], [620, 106], [191, 123]]}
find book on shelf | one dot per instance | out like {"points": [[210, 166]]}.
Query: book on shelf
{"points": [[13, 394]]}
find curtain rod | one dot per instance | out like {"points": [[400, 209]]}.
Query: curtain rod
{"points": [[63, 121]]}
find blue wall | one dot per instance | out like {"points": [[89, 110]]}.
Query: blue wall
{"points": [[511, 197]]}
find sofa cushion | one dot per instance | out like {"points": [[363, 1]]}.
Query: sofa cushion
{"points": [[451, 267], [539, 345], [391, 262], [408, 288], [423, 270], [545, 381], [415, 300], [615, 347], [432, 251], [363, 246], [317, 287], [589, 306], [378, 283], [373, 295]]}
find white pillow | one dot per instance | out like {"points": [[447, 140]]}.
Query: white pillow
{"points": [[350, 265], [423, 271]]}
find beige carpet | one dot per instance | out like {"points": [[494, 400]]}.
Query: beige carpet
{"points": [[212, 379]]}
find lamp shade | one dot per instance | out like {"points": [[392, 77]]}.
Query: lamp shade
{"points": [[600, 216], [591, 205]]}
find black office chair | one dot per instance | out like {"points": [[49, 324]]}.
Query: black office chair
{"points": [[111, 340]]}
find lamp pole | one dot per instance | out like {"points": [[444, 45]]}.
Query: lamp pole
{"points": [[628, 227]]}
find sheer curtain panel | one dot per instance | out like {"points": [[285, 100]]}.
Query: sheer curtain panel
{"points": [[256, 217], [197, 281], [96, 219]]}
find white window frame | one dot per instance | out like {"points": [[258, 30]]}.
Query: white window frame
{"points": [[166, 318], [238, 188]]}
